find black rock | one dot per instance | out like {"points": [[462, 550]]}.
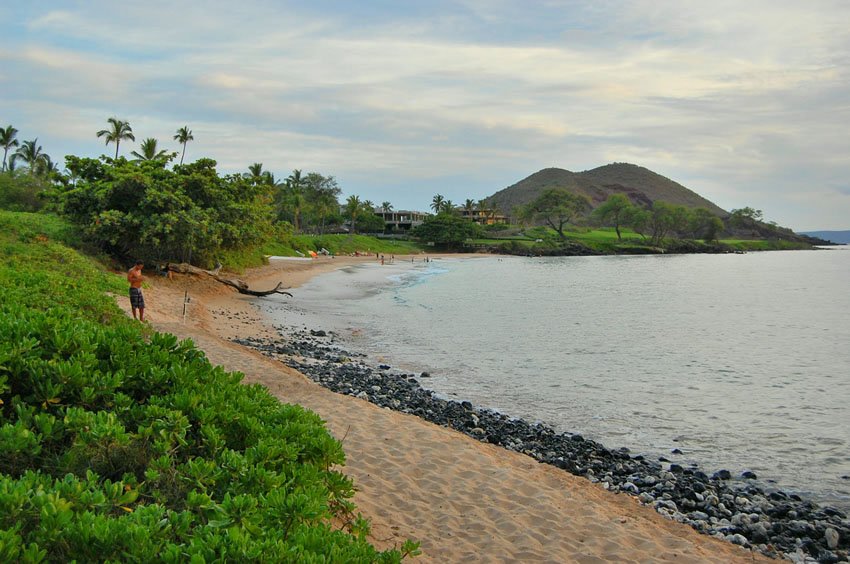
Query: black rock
{"points": [[318, 333], [425, 375], [747, 475], [785, 523], [676, 451], [722, 475]]}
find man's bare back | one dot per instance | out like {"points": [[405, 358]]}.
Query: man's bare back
{"points": [[137, 300]]}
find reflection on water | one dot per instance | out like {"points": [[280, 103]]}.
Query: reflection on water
{"points": [[739, 361]]}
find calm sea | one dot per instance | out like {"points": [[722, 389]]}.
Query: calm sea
{"points": [[739, 361]]}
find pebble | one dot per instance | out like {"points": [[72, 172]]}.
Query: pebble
{"points": [[832, 537], [739, 510]]}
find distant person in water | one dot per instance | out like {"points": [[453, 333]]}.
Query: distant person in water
{"points": [[137, 300]]}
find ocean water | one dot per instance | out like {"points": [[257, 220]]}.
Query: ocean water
{"points": [[740, 361]]}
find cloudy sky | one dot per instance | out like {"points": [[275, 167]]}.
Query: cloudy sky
{"points": [[746, 103]]}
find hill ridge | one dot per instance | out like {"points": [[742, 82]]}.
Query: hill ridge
{"points": [[642, 185]]}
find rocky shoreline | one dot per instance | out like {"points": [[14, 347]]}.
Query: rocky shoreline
{"points": [[738, 509]]}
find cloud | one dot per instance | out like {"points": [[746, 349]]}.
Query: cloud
{"points": [[743, 103]]}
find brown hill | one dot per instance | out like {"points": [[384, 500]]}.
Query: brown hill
{"points": [[641, 185]]}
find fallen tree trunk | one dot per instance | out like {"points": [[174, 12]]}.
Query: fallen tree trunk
{"points": [[239, 285], [185, 268], [242, 287]]}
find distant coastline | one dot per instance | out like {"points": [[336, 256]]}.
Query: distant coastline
{"points": [[838, 237]]}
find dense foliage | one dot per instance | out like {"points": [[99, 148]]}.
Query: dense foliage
{"points": [[126, 445], [145, 210], [447, 230], [22, 191]]}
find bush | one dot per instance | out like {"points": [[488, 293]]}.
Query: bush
{"points": [[22, 192], [126, 445]]}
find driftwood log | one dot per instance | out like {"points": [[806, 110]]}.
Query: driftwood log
{"points": [[239, 285]]}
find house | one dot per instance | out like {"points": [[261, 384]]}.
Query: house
{"points": [[486, 216], [400, 220]]}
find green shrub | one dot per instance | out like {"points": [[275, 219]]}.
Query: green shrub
{"points": [[121, 444], [22, 192]]}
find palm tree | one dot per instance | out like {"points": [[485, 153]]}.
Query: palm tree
{"points": [[448, 206], [352, 207], [7, 139], [119, 130], [183, 136], [295, 179], [387, 207], [324, 207], [469, 206], [30, 152], [294, 184], [437, 203], [46, 167], [255, 171], [150, 151]]}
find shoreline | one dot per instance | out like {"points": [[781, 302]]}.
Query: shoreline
{"points": [[217, 314]]}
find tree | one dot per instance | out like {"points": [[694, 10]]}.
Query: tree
{"points": [[353, 208], [118, 131], [447, 207], [325, 206], [369, 221], [22, 192], [7, 139], [187, 214], [30, 153], [255, 172], [437, 203], [294, 197], [469, 206], [638, 220], [446, 230], [150, 151], [747, 218], [183, 136], [665, 218], [615, 211], [704, 224], [321, 195], [387, 207], [48, 168], [556, 207]]}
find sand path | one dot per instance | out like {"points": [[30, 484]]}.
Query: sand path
{"points": [[465, 501]]}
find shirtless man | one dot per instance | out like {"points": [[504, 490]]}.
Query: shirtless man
{"points": [[137, 300]]}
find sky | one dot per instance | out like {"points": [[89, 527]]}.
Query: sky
{"points": [[746, 103]]}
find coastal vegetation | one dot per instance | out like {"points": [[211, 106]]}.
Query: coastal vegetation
{"points": [[124, 444], [152, 209]]}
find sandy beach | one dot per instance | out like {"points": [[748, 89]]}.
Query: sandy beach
{"points": [[464, 500]]}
